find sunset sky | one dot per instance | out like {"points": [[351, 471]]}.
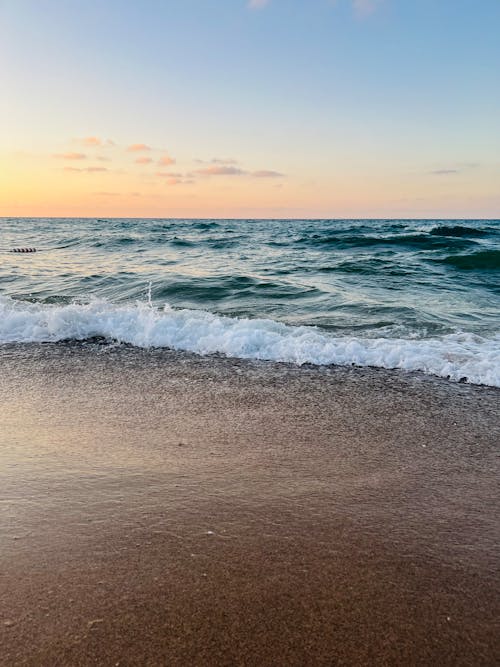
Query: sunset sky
{"points": [[231, 108]]}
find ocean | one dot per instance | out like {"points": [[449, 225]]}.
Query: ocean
{"points": [[417, 295]]}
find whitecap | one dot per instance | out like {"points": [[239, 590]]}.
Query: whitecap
{"points": [[455, 356]]}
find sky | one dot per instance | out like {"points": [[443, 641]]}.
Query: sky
{"points": [[250, 108]]}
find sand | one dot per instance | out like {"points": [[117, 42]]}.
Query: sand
{"points": [[159, 508]]}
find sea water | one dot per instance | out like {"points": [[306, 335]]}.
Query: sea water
{"points": [[409, 294]]}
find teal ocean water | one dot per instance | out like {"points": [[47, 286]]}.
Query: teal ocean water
{"points": [[412, 294]]}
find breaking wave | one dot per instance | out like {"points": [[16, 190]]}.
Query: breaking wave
{"points": [[458, 356]]}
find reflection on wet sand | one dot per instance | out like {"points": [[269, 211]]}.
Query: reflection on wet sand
{"points": [[160, 508]]}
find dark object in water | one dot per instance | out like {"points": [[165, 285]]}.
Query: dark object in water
{"points": [[23, 250]]}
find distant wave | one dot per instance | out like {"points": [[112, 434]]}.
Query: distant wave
{"points": [[486, 260], [456, 356], [182, 243], [420, 241], [459, 231]]}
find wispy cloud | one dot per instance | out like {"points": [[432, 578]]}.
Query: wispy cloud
{"points": [[218, 160], [87, 170], [221, 171], [166, 160], [169, 174], [70, 156], [456, 169], [135, 148], [143, 160], [229, 170], [222, 160], [257, 4], [91, 141], [363, 8], [173, 178], [94, 141], [177, 180], [267, 173]]}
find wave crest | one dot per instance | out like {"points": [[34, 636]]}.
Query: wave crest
{"points": [[486, 260], [457, 231], [456, 356]]}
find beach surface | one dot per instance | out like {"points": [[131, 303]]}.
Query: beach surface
{"points": [[160, 508]]}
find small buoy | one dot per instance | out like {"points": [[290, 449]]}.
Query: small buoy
{"points": [[23, 250]]}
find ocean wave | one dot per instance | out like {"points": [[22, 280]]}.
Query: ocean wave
{"points": [[459, 231], [460, 356], [419, 241], [206, 225], [182, 243], [485, 260]]}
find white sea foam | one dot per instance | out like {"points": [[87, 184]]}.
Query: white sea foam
{"points": [[455, 355]]}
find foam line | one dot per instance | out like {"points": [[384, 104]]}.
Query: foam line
{"points": [[457, 356]]}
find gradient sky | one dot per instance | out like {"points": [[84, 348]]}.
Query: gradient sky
{"points": [[238, 108]]}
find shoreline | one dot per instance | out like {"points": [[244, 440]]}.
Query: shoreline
{"points": [[164, 508]]}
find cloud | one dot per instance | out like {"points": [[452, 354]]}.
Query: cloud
{"points": [[257, 4], [88, 170], [221, 171], [102, 158], [363, 8], [91, 141], [178, 181], [229, 170], [135, 148], [267, 173], [166, 160], [143, 160], [70, 156], [218, 160], [107, 194], [175, 177], [457, 169]]}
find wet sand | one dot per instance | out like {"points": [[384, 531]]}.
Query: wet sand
{"points": [[165, 509]]}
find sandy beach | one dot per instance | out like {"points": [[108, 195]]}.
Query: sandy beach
{"points": [[250, 333], [161, 508]]}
